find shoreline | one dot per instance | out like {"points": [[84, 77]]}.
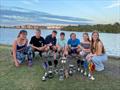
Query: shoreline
{"points": [[109, 56], [64, 30]]}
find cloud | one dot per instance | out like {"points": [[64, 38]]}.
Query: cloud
{"points": [[21, 15], [113, 5]]}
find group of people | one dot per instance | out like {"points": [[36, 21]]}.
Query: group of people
{"points": [[91, 49]]}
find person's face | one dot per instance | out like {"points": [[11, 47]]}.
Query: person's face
{"points": [[85, 37], [95, 36], [62, 37], [53, 34], [73, 37], [38, 34], [23, 35]]}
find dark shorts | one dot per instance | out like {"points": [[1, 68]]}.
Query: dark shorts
{"points": [[35, 50], [73, 51]]}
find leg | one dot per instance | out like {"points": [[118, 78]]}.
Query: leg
{"points": [[20, 57], [29, 53], [98, 61], [55, 50]]}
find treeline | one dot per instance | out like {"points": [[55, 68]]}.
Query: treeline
{"points": [[107, 28]]}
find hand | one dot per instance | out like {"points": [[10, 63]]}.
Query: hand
{"points": [[50, 44], [40, 48], [17, 64]]}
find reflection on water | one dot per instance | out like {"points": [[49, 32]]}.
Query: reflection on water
{"points": [[111, 41]]}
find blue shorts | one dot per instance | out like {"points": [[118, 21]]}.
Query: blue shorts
{"points": [[20, 55]]}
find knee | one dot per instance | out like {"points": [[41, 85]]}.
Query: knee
{"points": [[94, 59]]}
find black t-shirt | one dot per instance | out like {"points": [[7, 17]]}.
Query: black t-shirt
{"points": [[38, 42], [49, 40]]}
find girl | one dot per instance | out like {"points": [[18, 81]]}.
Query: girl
{"points": [[97, 52], [85, 46], [20, 49]]}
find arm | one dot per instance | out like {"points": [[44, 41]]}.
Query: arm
{"points": [[99, 51], [34, 47], [31, 44], [14, 54]]}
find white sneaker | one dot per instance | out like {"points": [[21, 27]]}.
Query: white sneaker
{"points": [[81, 71], [43, 78], [89, 75], [92, 78]]}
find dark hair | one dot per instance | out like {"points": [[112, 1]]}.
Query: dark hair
{"points": [[72, 34], [85, 33], [54, 31], [62, 33], [38, 30], [22, 31], [93, 49]]}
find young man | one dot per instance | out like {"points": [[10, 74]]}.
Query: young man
{"points": [[73, 44], [61, 43], [50, 41], [37, 43]]}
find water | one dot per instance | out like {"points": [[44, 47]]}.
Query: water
{"points": [[110, 41]]}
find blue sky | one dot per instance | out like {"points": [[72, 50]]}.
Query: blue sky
{"points": [[96, 11]]}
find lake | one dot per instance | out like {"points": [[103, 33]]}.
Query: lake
{"points": [[110, 41]]}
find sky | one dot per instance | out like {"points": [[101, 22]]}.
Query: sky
{"points": [[61, 11]]}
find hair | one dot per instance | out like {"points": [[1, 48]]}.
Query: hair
{"points": [[72, 34], [62, 33], [21, 32], [54, 31], [38, 30], [93, 49], [85, 33]]}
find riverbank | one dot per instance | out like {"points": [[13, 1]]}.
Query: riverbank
{"points": [[26, 78], [110, 56]]}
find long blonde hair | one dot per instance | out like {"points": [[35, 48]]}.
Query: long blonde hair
{"points": [[94, 49]]}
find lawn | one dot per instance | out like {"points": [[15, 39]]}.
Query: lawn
{"points": [[29, 78]]}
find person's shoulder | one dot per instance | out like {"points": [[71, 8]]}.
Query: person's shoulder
{"points": [[69, 39], [77, 39], [42, 37], [100, 43], [33, 37]]}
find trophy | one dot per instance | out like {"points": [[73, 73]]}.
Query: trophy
{"points": [[50, 70], [61, 74]]}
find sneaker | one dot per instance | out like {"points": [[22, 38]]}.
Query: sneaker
{"points": [[43, 78], [81, 71], [89, 75], [92, 78], [78, 69]]}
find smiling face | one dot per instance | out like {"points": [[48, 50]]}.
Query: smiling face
{"points": [[23, 35], [73, 36], [85, 37], [54, 34], [62, 37], [37, 34], [95, 36]]}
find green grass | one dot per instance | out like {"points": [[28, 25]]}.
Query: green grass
{"points": [[26, 78]]}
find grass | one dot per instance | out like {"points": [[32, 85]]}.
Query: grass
{"points": [[26, 78]]}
